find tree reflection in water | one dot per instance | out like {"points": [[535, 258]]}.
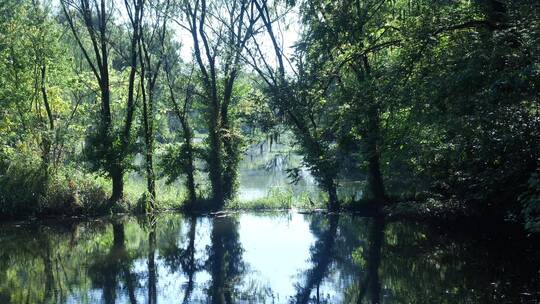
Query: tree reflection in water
{"points": [[225, 260], [321, 256], [107, 271], [183, 259], [369, 290]]}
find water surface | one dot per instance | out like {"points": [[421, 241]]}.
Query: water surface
{"points": [[261, 258]]}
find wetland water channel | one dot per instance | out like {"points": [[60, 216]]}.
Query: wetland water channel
{"points": [[273, 257]]}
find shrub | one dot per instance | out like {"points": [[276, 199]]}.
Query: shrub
{"points": [[28, 187]]}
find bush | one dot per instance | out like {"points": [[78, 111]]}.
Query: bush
{"points": [[22, 183], [29, 188]]}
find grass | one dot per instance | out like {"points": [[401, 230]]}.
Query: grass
{"points": [[168, 197], [279, 198], [28, 189]]}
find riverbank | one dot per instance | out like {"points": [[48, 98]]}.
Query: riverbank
{"points": [[435, 213]]}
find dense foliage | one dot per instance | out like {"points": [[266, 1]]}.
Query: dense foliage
{"points": [[433, 101]]}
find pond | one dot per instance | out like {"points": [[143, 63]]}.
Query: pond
{"points": [[263, 173], [279, 257]]}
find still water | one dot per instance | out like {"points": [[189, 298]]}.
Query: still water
{"points": [[263, 172], [284, 257]]}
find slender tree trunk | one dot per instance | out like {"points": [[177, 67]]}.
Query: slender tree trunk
{"points": [[150, 148], [148, 112], [46, 141], [113, 158], [151, 178]]}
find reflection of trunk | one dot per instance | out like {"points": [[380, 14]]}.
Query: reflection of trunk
{"points": [[219, 293], [152, 277], [107, 271], [110, 272], [372, 284], [49, 275], [190, 268], [117, 265], [321, 258], [224, 259]]}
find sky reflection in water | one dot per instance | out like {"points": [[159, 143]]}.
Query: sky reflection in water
{"points": [[260, 258]]}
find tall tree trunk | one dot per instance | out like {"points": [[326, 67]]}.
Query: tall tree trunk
{"points": [[372, 149], [46, 157], [117, 176], [190, 167], [230, 172], [183, 116], [95, 19], [113, 158], [151, 177], [148, 120], [215, 161], [149, 141], [333, 201], [372, 153]]}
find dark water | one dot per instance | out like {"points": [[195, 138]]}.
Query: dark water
{"points": [[262, 258]]}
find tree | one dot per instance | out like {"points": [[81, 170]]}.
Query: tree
{"points": [[108, 145], [300, 103], [218, 43], [151, 58]]}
